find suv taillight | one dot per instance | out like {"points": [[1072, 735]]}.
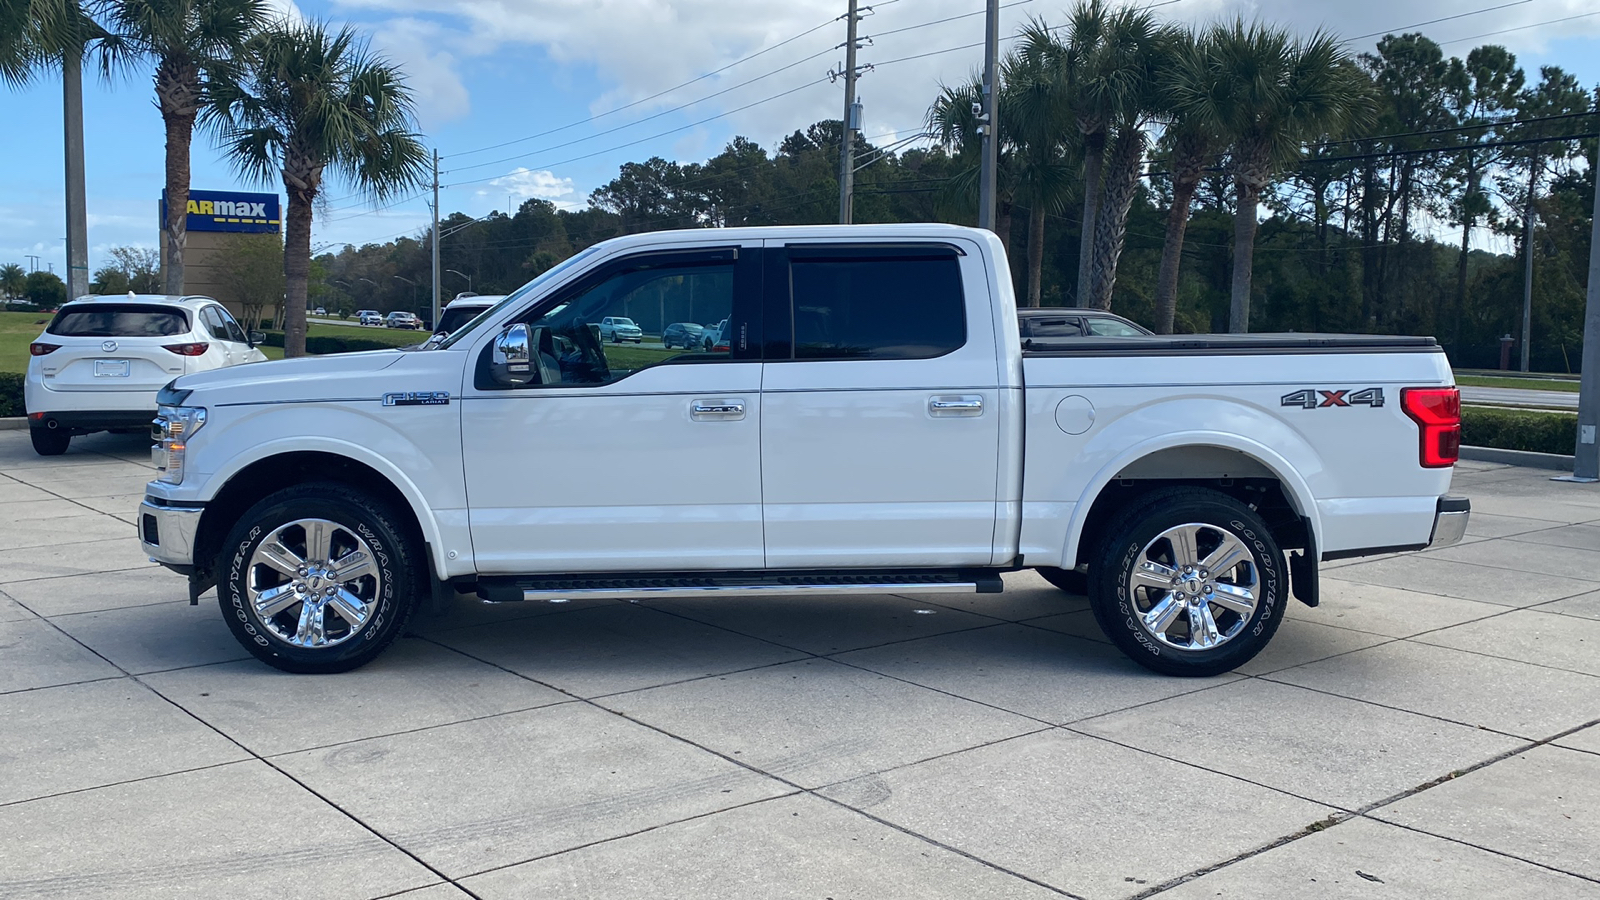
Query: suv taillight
{"points": [[40, 348], [195, 349], [1437, 412]]}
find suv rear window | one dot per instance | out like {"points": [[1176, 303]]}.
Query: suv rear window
{"points": [[118, 320], [454, 317]]}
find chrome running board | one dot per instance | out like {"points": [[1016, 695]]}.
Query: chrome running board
{"points": [[670, 586]]}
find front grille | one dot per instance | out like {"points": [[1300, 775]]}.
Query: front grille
{"points": [[150, 530]]}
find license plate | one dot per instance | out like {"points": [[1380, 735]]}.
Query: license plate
{"points": [[111, 368]]}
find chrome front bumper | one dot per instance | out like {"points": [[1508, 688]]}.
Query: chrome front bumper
{"points": [[1450, 521], [167, 533]]}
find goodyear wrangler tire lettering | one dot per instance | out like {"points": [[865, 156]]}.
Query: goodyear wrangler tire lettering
{"points": [[1173, 615], [323, 578]]}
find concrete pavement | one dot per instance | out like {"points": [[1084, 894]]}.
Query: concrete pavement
{"points": [[1429, 731]]}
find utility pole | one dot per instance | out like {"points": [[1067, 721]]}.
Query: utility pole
{"points": [[33, 261], [847, 174], [77, 210], [435, 321], [990, 117], [1527, 268], [1586, 453]]}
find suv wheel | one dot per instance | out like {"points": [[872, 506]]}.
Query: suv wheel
{"points": [[49, 443], [1188, 582], [319, 578]]}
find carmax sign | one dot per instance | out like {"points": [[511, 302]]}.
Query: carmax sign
{"points": [[230, 211]]}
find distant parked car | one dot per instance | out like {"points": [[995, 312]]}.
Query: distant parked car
{"points": [[320, 311], [682, 334], [712, 334], [462, 310], [402, 320], [1050, 322], [617, 329], [101, 360], [370, 317]]}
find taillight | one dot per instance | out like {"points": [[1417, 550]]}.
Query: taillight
{"points": [[1437, 412], [40, 348], [194, 349]]}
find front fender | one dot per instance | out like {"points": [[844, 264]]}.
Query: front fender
{"points": [[1195, 422], [405, 446]]}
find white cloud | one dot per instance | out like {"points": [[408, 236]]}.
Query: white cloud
{"points": [[419, 48], [523, 183]]}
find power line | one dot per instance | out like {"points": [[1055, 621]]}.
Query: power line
{"points": [[1521, 28], [696, 79], [652, 117], [1451, 130], [1464, 15], [661, 134]]}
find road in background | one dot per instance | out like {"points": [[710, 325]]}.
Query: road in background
{"points": [[1494, 396]]}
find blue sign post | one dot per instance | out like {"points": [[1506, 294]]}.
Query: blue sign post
{"points": [[234, 211]]}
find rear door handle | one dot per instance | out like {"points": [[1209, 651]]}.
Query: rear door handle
{"points": [[720, 410], [955, 405]]}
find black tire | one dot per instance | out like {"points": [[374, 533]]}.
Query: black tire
{"points": [[49, 443], [1117, 606], [395, 595], [1070, 580]]}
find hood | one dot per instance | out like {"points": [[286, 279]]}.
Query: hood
{"points": [[332, 377]]}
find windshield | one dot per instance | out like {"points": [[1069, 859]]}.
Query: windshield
{"points": [[118, 320], [516, 296]]}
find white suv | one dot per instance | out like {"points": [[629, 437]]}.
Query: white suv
{"points": [[101, 360], [617, 329]]}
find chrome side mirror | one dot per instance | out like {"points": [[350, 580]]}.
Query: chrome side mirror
{"points": [[511, 364], [255, 338]]}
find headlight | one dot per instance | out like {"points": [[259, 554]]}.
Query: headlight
{"points": [[172, 428]]}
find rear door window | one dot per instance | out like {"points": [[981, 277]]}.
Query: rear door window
{"points": [[118, 320], [1051, 326], [1112, 328], [876, 304]]}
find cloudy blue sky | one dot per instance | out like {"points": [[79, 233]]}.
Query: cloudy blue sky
{"points": [[512, 72]]}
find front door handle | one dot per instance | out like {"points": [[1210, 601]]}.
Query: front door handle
{"points": [[720, 410], [955, 405]]}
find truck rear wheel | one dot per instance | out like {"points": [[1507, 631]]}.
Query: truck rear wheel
{"points": [[1188, 582], [319, 578]]}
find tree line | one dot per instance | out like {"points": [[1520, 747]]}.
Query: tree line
{"points": [[1231, 177]]}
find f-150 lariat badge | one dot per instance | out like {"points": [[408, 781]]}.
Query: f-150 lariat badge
{"points": [[1320, 399], [417, 398]]}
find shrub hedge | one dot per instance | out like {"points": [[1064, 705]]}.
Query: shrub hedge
{"points": [[1518, 429], [321, 345], [11, 403]]}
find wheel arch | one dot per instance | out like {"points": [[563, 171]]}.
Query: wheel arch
{"points": [[249, 481], [1232, 464]]}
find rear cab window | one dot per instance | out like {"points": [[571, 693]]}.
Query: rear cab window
{"points": [[118, 320], [859, 303]]}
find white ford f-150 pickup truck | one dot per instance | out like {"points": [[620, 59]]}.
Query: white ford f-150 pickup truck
{"points": [[872, 423]]}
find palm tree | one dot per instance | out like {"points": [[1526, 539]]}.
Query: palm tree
{"points": [[1141, 52], [1034, 105], [1267, 93], [308, 100], [13, 281], [188, 39], [1102, 62], [39, 35], [1188, 142]]}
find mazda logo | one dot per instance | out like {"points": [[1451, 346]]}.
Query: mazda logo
{"points": [[109, 346]]}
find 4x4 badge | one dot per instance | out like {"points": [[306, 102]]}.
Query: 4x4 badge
{"points": [[1321, 399], [417, 398]]}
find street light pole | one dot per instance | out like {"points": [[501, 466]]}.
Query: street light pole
{"points": [[463, 275], [990, 116], [1586, 452], [413, 288]]}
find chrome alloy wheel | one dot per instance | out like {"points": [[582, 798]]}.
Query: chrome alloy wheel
{"points": [[314, 583], [1194, 587]]}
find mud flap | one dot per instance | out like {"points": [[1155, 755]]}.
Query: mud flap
{"points": [[1303, 569], [199, 583]]}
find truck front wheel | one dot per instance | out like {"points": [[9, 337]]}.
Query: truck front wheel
{"points": [[319, 578], [1189, 582]]}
